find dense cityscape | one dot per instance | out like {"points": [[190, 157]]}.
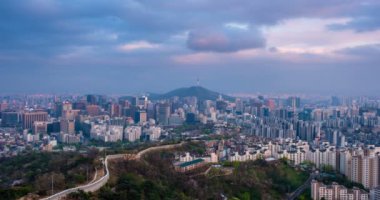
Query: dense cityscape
{"points": [[189, 100], [335, 133]]}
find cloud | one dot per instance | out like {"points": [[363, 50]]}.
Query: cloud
{"points": [[59, 41], [138, 45], [310, 36], [144, 20], [46, 27], [225, 39], [360, 24], [365, 18], [367, 51]]}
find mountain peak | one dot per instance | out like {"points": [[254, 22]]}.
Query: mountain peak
{"points": [[198, 91]]}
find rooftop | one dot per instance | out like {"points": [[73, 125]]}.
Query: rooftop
{"points": [[193, 162]]}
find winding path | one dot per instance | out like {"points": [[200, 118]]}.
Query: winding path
{"points": [[96, 185]]}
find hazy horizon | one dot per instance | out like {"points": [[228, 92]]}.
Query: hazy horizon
{"points": [[233, 93]]}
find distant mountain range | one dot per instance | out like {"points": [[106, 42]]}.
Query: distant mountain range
{"points": [[200, 92]]}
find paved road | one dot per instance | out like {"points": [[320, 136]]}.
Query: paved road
{"points": [[96, 185], [300, 189], [91, 187], [169, 146]]}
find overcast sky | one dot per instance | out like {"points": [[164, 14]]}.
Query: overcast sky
{"points": [[245, 46]]}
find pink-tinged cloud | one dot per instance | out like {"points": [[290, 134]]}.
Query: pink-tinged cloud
{"points": [[312, 37], [295, 56], [138, 45], [227, 39]]}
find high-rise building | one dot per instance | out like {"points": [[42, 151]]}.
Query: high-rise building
{"points": [[370, 171], [221, 105], [58, 109], [163, 113], [294, 102], [54, 127], [115, 110], [356, 168], [335, 101], [91, 99], [40, 127], [335, 192], [191, 118], [345, 163], [3, 106], [141, 102], [342, 141], [129, 111], [106, 133], [93, 110], [375, 193], [70, 114], [270, 103], [318, 115], [10, 118], [67, 126], [175, 120], [150, 111], [152, 133], [132, 133], [67, 106], [239, 105], [79, 105], [28, 118], [140, 116]]}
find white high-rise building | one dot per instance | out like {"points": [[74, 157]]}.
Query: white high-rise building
{"points": [[345, 162], [356, 169], [336, 192], [331, 157], [106, 133], [370, 171], [132, 133], [153, 132]]}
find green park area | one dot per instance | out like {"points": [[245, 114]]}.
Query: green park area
{"points": [[154, 177], [34, 172]]}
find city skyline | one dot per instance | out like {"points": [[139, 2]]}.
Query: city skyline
{"points": [[129, 47], [189, 99]]}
